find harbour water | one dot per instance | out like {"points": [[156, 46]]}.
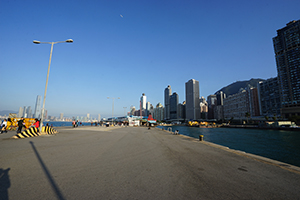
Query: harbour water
{"points": [[278, 145], [59, 124]]}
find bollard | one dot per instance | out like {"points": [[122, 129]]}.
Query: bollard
{"points": [[200, 137]]}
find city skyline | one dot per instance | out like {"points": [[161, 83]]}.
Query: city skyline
{"points": [[216, 43]]}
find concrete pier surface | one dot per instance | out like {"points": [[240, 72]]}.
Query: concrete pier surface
{"points": [[136, 163]]}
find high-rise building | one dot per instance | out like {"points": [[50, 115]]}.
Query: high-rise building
{"points": [[181, 111], [148, 108], [173, 105], [20, 113], [192, 100], [132, 110], [269, 97], [220, 98], [29, 112], [61, 116], [253, 101], [203, 108], [37, 109], [211, 103], [218, 111], [287, 54], [168, 92], [236, 105], [158, 112], [25, 111], [143, 101], [45, 114]]}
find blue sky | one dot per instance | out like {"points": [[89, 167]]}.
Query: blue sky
{"points": [[126, 48]]}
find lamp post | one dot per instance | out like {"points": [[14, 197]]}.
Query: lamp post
{"points": [[52, 43], [113, 98]]}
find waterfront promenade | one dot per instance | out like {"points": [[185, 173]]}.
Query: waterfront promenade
{"points": [[136, 163]]}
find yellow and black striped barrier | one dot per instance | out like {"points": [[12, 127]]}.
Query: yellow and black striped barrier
{"points": [[49, 130], [33, 132], [30, 132]]}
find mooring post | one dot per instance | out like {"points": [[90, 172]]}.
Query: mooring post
{"points": [[200, 137]]}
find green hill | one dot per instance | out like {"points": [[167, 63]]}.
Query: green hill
{"points": [[235, 87]]}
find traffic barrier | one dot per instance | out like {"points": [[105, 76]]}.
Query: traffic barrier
{"points": [[49, 130], [33, 132], [30, 132]]}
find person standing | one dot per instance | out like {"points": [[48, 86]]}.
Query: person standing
{"points": [[36, 123], [4, 126], [20, 125]]}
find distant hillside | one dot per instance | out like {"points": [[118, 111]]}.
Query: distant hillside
{"points": [[6, 112], [235, 87]]}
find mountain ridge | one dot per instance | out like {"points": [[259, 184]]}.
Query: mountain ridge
{"points": [[235, 87], [6, 112]]}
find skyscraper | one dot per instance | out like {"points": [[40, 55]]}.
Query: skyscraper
{"points": [[20, 113], [61, 116], [29, 112], [220, 97], [269, 97], [287, 54], [168, 92], [181, 111], [132, 110], [143, 101], [173, 105], [148, 108], [25, 111], [37, 110], [211, 103], [203, 108], [158, 112], [192, 100]]}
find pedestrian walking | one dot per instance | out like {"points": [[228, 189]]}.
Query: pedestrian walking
{"points": [[21, 124]]}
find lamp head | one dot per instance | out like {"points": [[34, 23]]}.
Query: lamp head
{"points": [[36, 42], [69, 40]]}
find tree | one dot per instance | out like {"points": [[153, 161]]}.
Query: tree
{"points": [[267, 118], [295, 119], [231, 120], [247, 114]]}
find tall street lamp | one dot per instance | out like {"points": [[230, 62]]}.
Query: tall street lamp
{"points": [[113, 98], [52, 43]]}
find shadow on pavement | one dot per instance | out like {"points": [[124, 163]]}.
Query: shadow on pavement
{"points": [[4, 183], [47, 173]]}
